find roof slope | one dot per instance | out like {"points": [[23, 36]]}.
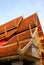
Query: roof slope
{"points": [[18, 31]]}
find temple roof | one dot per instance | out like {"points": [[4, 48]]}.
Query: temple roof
{"points": [[19, 30]]}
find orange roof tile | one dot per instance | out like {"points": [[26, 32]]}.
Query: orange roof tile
{"points": [[23, 33]]}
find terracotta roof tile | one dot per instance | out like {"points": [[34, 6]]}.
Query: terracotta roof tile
{"points": [[21, 34], [10, 25], [8, 50]]}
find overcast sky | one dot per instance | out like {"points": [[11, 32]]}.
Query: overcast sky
{"points": [[10, 9]]}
